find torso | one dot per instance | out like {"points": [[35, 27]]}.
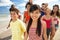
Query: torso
{"points": [[33, 35], [26, 14], [48, 21]]}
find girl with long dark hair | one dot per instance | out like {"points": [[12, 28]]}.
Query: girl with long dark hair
{"points": [[55, 14], [36, 28]]}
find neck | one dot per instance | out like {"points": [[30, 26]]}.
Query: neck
{"points": [[28, 10], [48, 15], [35, 21], [54, 15], [14, 20]]}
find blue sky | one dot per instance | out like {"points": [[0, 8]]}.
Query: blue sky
{"points": [[20, 4]]}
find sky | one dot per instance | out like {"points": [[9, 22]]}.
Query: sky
{"points": [[20, 4]]}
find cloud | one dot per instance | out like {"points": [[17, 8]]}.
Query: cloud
{"points": [[5, 2], [8, 7], [26, 0], [53, 3], [42, 1], [50, 2], [22, 4]]}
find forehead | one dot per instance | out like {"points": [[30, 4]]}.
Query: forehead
{"points": [[12, 12], [48, 10], [28, 5], [36, 11], [44, 5], [55, 7]]}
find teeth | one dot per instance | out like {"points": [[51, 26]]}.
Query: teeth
{"points": [[34, 17]]}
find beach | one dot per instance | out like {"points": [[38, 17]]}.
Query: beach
{"points": [[4, 32], [4, 20]]}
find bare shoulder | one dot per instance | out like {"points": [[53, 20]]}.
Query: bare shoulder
{"points": [[43, 17], [52, 17], [43, 22]]}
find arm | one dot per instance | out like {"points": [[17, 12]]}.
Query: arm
{"points": [[53, 30], [24, 19], [23, 26], [26, 36], [44, 31], [42, 17]]}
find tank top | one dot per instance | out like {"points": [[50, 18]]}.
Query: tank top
{"points": [[48, 22], [33, 35]]}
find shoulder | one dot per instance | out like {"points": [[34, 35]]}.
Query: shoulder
{"points": [[51, 17], [43, 17], [25, 11], [20, 22], [43, 22]]}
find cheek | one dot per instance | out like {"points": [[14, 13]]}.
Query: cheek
{"points": [[49, 11], [16, 16], [38, 15], [12, 16], [55, 9]]}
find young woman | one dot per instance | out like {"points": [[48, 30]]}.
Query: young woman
{"points": [[16, 25], [36, 28], [49, 22], [26, 13], [55, 14]]}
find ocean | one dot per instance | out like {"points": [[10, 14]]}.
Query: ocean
{"points": [[4, 21]]}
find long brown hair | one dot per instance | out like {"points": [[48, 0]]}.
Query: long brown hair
{"points": [[57, 13], [38, 29]]}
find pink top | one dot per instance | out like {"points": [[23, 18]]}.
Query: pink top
{"points": [[48, 22], [56, 21], [33, 35]]}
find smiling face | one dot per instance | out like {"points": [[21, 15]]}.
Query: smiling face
{"points": [[13, 15], [55, 9], [35, 14], [43, 7], [28, 7], [48, 11]]}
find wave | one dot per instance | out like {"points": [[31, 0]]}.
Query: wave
{"points": [[4, 18]]}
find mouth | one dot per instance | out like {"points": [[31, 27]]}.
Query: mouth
{"points": [[34, 17]]}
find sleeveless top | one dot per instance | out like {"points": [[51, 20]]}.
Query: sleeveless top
{"points": [[33, 35], [26, 16], [56, 22], [48, 22]]}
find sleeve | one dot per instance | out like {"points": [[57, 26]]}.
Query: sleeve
{"points": [[23, 26]]}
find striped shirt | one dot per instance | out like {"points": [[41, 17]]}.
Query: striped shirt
{"points": [[33, 35]]}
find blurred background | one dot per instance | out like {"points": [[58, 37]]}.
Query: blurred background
{"points": [[5, 33]]}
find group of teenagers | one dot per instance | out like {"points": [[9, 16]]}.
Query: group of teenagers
{"points": [[39, 23]]}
